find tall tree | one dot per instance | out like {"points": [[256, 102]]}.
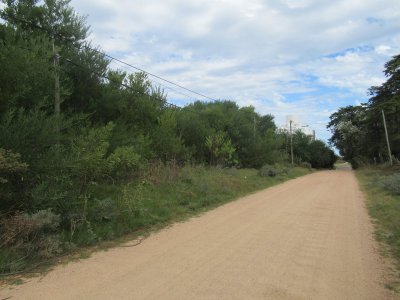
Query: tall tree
{"points": [[358, 131], [387, 97]]}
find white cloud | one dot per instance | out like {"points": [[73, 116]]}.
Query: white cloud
{"points": [[281, 56]]}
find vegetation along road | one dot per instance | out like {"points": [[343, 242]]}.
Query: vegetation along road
{"points": [[309, 238]]}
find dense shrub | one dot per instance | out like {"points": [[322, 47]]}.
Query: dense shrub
{"points": [[322, 157], [306, 165], [268, 171], [123, 161], [10, 164], [358, 162], [26, 235]]}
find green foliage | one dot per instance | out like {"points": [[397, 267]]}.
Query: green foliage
{"points": [[252, 136], [314, 153], [272, 171], [25, 235], [10, 165], [220, 148], [33, 134], [116, 158], [123, 161], [384, 208], [306, 165], [358, 131], [301, 147], [268, 170], [89, 151], [391, 183], [348, 136], [167, 144], [25, 70], [321, 156]]}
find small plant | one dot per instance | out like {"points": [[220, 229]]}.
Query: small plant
{"points": [[306, 165], [268, 171], [123, 161], [10, 163], [131, 201], [25, 235], [391, 183]]}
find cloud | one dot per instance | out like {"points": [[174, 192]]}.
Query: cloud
{"points": [[304, 57]]}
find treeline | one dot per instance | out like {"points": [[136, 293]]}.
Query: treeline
{"points": [[358, 131], [109, 128]]}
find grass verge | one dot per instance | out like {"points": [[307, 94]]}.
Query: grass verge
{"points": [[164, 194], [384, 208]]}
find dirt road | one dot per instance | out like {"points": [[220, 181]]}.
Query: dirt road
{"points": [[309, 238]]}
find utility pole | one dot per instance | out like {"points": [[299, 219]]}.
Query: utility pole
{"points": [[291, 142], [56, 81], [254, 128], [387, 139]]}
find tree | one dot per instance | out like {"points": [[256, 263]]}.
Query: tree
{"points": [[301, 149], [55, 18], [220, 149], [25, 72], [348, 132], [64, 33], [167, 144], [387, 97], [321, 157], [358, 131]]}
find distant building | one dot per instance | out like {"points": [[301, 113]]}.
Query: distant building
{"points": [[296, 126]]}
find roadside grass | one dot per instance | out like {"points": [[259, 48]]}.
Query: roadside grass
{"points": [[118, 213], [167, 194], [384, 208]]}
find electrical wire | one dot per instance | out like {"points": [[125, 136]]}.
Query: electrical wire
{"points": [[121, 84], [162, 85], [108, 56]]}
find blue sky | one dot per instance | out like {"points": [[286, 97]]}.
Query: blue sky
{"points": [[299, 58]]}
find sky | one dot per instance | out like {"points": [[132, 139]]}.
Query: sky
{"points": [[294, 59]]}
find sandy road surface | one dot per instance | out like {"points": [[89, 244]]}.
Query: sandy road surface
{"points": [[309, 238]]}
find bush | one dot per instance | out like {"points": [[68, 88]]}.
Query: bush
{"points": [[90, 150], [391, 183], [306, 165], [12, 170], [123, 161], [268, 171], [25, 235], [359, 162], [322, 157], [10, 164]]}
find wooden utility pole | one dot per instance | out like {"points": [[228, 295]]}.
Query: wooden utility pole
{"points": [[387, 139], [291, 142], [254, 128], [56, 81]]}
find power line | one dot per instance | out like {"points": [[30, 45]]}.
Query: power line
{"points": [[151, 74], [164, 85], [121, 84], [108, 56]]}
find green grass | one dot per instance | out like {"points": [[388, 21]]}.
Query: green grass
{"points": [[384, 208], [175, 195], [163, 195]]}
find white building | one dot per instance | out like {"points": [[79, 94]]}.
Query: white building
{"points": [[296, 125]]}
